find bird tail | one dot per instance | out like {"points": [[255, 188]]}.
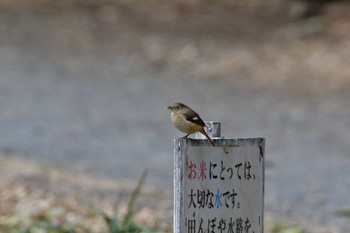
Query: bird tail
{"points": [[206, 135]]}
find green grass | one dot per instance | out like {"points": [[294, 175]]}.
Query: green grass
{"points": [[280, 228], [54, 220], [343, 212], [124, 224]]}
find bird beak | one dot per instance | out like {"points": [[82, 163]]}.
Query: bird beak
{"points": [[169, 107]]}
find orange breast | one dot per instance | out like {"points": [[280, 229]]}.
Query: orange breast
{"points": [[184, 125]]}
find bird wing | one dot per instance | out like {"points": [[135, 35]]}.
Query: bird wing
{"points": [[193, 117]]}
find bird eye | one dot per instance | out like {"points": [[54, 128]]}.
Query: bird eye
{"points": [[177, 107]]}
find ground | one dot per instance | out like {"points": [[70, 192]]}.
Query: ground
{"points": [[83, 86]]}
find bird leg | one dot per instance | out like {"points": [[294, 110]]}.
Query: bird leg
{"points": [[186, 136]]}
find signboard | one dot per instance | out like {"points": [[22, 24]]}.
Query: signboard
{"points": [[219, 189]]}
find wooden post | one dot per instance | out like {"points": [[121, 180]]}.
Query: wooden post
{"points": [[219, 189]]}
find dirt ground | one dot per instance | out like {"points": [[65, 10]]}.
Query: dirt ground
{"points": [[83, 85]]}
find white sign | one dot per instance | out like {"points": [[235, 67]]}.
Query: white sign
{"points": [[222, 187]]}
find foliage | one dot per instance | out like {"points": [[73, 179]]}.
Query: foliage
{"points": [[54, 218], [343, 212], [279, 228], [125, 223]]}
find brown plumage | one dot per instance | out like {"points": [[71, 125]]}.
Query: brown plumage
{"points": [[187, 120]]}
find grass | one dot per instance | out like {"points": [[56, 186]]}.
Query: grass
{"points": [[280, 228], [27, 209], [125, 223], [343, 212], [70, 217]]}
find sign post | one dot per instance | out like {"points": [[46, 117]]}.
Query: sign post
{"points": [[221, 188]]}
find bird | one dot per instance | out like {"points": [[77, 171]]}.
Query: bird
{"points": [[187, 120]]}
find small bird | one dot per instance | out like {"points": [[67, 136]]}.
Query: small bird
{"points": [[187, 120]]}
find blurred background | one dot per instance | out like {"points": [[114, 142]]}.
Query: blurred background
{"points": [[83, 85]]}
